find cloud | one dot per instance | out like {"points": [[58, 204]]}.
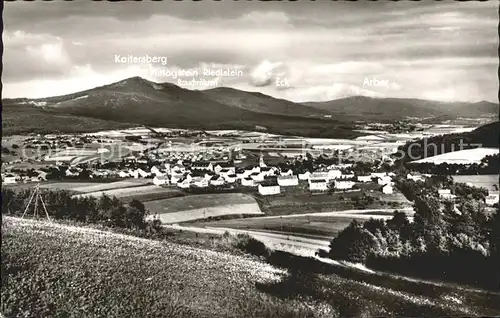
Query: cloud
{"points": [[323, 50]]}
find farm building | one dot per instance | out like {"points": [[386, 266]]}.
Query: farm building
{"points": [[269, 189], [248, 182], [343, 185], [318, 185], [286, 181], [364, 178], [387, 189], [160, 180]]}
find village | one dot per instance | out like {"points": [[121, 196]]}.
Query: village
{"points": [[198, 162]]}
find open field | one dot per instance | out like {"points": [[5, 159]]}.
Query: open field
{"points": [[111, 185], [311, 226], [202, 206], [468, 156], [143, 193], [244, 209], [323, 224], [298, 201], [487, 181], [58, 270]]}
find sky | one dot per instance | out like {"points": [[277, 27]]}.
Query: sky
{"points": [[299, 51]]}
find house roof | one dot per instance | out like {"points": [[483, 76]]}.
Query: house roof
{"points": [[270, 183], [318, 181], [287, 177]]}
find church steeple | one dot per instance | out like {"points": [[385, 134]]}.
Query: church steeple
{"points": [[261, 161]]}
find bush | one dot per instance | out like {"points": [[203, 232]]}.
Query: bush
{"points": [[248, 244]]}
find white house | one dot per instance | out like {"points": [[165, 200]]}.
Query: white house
{"points": [[347, 176], [270, 189], [409, 176], [160, 180], [200, 182], [287, 181], [445, 194], [156, 171], [217, 180], [304, 176], [387, 189], [257, 176], [202, 166], [318, 175], [286, 172], [224, 168], [251, 169], [492, 199], [184, 183], [142, 173], [123, 174], [364, 178], [318, 185], [334, 174], [9, 179], [378, 174], [230, 178], [384, 180], [71, 172], [343, 185], [175, 178], [268, 171], [248, 182]]}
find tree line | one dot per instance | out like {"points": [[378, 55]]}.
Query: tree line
{"points": [[106, 210], [457, 242]]}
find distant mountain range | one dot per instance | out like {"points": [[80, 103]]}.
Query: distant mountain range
{"points": [[142, 102], [382, 109]]}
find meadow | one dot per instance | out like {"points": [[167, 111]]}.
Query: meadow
{"points": [[202, 206], [137, 192], [55, 270]]}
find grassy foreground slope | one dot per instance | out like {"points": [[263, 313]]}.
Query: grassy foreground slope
{"points": [[56, 270], [50, 269]]}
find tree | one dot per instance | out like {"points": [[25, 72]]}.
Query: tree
{"points": [[354, 243]]}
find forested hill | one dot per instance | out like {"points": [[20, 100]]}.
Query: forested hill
{"points": [[484, 136]]}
